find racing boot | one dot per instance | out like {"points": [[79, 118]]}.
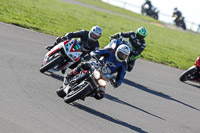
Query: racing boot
{"points": [[68, 77], [63, 71]]}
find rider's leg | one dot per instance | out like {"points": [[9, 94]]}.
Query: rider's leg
{"points": [[130, 65], [75, 71]]}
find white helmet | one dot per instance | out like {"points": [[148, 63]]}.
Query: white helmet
{"points": [[122, 52], [95, 33]]}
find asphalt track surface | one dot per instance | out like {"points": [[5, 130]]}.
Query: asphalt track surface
{"points": [[151, 99]]}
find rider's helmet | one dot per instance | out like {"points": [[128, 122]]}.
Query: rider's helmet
{"points": [[141, 33], [122, 52], [95, 33]]}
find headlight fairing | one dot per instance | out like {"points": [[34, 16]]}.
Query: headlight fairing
{"points": [[102, 82], [96, 74]]}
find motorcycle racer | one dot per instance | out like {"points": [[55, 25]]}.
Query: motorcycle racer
{"points": [[177, 13], [138, 44], [115, 61], [89, 40], [178, 18], [147, 2]]}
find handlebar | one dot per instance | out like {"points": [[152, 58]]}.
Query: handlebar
{"points": [[98, 59]]}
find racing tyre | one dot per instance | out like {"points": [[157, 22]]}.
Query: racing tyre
{"points": [[50, 64], [77, 93], [155, 17], [184, 26], [185, 75]]}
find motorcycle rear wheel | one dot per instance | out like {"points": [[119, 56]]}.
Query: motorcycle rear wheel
{"points": [[183, 26], [155, 16], [77, 93], [50, 64], [186, 75]]}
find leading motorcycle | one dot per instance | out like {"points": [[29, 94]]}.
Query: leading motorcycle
{"points": [[193, 73], [87, 83], [152, 12], [180, 22], [62, 56]]}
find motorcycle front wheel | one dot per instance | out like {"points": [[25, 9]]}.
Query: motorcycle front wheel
{"points": [[187, 74], [51, 64], [77, 93], [183, 25], [155, 16]]}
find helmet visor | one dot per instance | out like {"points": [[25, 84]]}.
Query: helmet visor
{"points": [[121, 55], [138, 36], [93, 36]]}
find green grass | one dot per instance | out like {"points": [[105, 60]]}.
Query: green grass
{"points": [[168, 46], [100, 4]]}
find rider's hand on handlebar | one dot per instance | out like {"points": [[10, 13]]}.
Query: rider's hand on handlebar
{"points": [[86, 58], [58, 40], [94, 55], [113, 37]]}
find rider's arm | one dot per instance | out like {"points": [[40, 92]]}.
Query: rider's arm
{"points": [[76, 34], [127, 34], [140, 49], [92, 46], [100, 53]]}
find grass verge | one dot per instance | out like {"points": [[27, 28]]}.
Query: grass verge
{"points": [[167, 46]]}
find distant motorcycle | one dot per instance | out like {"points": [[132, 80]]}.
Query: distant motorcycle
{"points": [[87, 83], [62, 56], [193, 73], [152, 12], [180, 22]]}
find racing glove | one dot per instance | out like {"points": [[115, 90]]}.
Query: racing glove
{"points": [[115, 36], [86, 58], [94, 55], [59, 39]]}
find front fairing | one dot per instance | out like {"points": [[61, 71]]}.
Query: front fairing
{"points": [[55, 50], [73, 49], [197, 63], [69, 49]]}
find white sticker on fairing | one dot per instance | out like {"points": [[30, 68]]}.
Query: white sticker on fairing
{"points": [[110, 64]]}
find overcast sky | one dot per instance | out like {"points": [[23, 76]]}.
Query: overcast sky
{"points": [[190, 9]]}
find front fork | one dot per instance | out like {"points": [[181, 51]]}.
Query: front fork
{"points": [[196, 74], [95, 87]]}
